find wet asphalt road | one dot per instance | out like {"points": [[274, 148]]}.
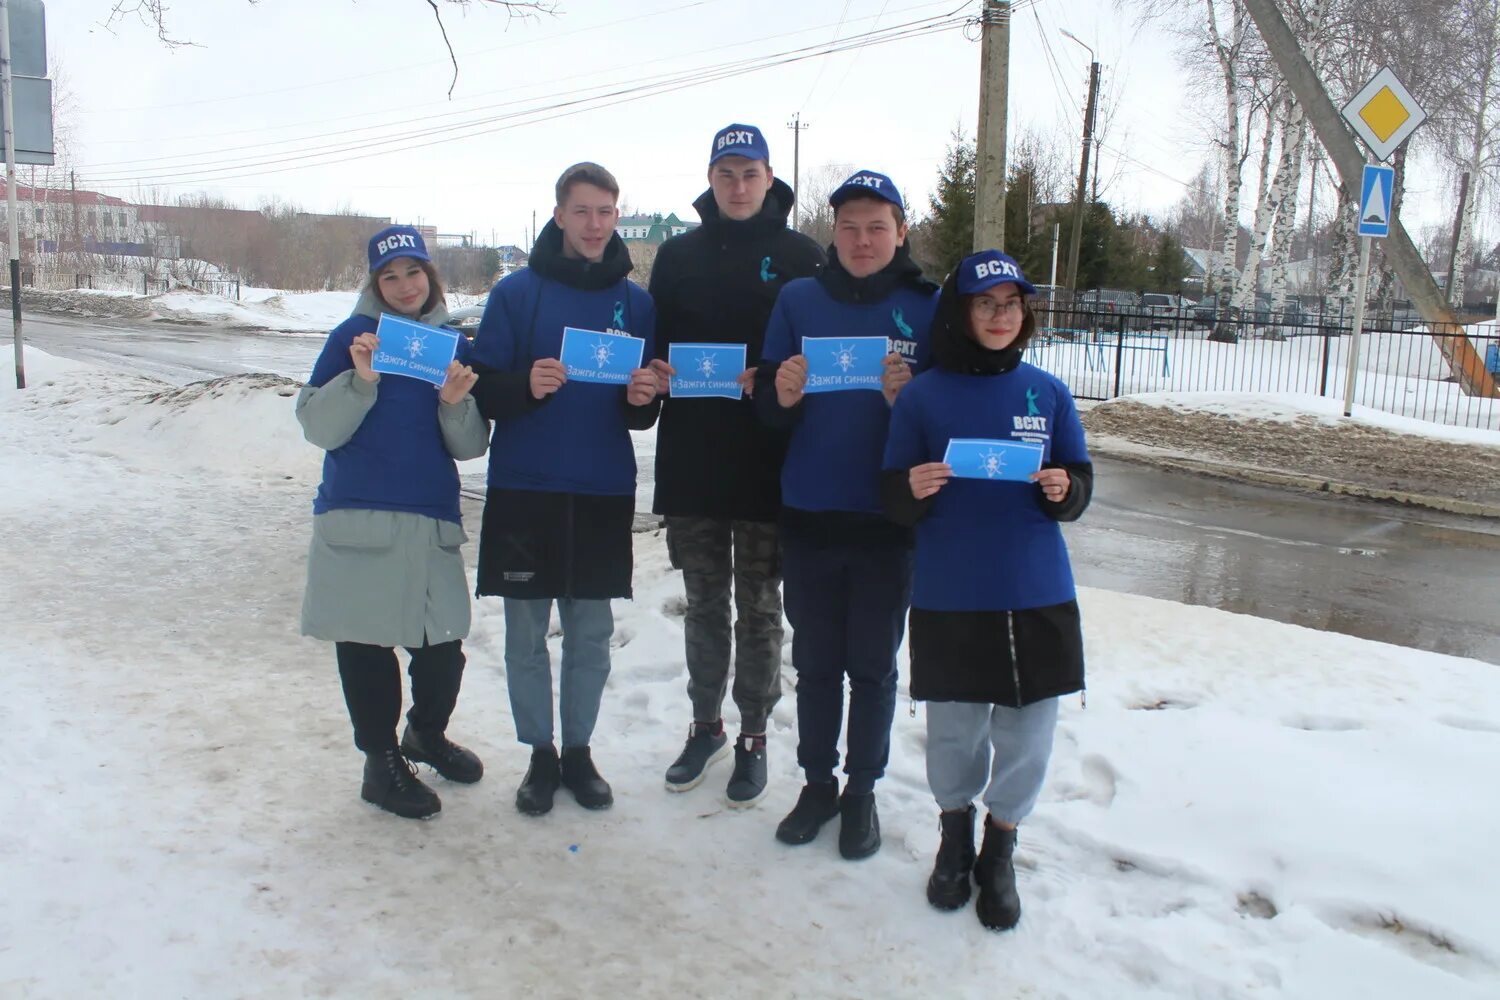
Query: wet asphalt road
{"points": [[1378, 571]]}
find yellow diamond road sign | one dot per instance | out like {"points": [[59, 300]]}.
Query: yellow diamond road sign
{"points": [[1384, 114]]}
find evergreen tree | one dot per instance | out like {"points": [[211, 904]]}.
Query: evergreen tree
{"points": [[1168, 266], [950, 237]]}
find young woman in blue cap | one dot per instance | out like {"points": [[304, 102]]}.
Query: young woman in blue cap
{"points": [[384, 569], [995, 635]]}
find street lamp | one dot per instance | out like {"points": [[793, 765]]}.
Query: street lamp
{"points": [[1068, 34]]}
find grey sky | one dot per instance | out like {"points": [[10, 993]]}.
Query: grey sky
{"points": [[275, 81]]}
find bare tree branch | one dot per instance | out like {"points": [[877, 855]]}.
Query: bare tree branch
{"points": [[155, 15]]}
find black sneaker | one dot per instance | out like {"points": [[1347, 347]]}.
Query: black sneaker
{"points": [[534, 797], [859, 826], [580, 777], [706, 745], [747, 785], [817, 804], [392, 784], [447, 758]]}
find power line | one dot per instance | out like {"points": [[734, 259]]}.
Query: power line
{"points": [[397, 128], [330, 155]]}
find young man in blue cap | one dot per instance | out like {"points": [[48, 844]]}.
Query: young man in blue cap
{"points": [[847, 569], [718, 469], [561, 499]]}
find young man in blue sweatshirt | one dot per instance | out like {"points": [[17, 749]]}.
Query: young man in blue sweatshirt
{"points": [[846, 570], [718, 469], [561, 499]]}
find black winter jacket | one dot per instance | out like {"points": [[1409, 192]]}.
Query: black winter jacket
{"points": [[717, 284]]}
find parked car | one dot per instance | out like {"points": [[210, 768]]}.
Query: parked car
{"points": [[1166, 312], [1215, 307], [466, 320], [1105, 303]]}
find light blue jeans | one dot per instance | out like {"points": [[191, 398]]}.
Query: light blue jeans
{"points": [[990, 749], [586, 627]]}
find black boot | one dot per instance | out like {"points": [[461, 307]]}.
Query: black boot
{"points": [[580, 777], [999, 904], [859, 826], [949, 887], [818, 803], [447, 758], [392, 784], [534, 797]]}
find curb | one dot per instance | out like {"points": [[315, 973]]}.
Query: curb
{"points": [[1315, 484]]}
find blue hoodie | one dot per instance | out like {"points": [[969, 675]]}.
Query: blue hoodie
{"points": [[833, 462], [396, 460], [578, 439], [985, 546]]}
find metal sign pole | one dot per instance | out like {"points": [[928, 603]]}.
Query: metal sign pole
{"points": [[1359, 322], [10, 192]]}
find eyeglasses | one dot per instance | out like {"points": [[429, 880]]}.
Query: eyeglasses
{"points": [[986, 308]]}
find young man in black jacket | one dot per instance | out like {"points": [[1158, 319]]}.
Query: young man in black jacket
{"points": [[718, 469]]}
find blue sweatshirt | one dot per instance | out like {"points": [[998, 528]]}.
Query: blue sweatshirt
{"points": [[396, 460], [834, 458], [987, 546], [577, 440]]}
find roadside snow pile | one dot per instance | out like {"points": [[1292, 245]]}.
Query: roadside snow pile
{"points": [[199, 428], [1244, 808], [1306, 436], [83, 302], [269, 309], [1290, 407]]}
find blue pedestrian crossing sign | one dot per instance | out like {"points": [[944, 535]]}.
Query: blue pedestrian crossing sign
{"points": [[1375, 201]]}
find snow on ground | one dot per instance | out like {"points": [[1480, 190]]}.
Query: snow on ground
{"points": [[1287, 407], [1244, 808], [269, 309]]}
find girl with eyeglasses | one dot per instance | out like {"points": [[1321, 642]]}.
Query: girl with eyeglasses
{"points": [[995, 634]]}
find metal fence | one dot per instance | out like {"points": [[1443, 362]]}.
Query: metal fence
{"points": [[1400, 369]]}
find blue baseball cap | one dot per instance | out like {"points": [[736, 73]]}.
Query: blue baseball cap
{"points": [[984, 270], [867, 183], [396, 241], [740, 140]]}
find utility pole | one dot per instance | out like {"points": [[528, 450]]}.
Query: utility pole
{"points": [[797, 125], [1458, 351], [1458, 228], [77, 232], [1083, 171], [8, 106], [989, 142]]}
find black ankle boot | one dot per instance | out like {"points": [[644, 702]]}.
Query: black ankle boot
{"points": [[534, 797], [949, 887], [817, 804], [999, 904], [392, 784], [447, 758], [580, 777], [859, 826]]}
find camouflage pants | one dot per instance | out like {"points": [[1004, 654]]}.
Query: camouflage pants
{"points": [[712, 553]]}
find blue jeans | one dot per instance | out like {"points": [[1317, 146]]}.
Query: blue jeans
{"points": [[587, 627]]}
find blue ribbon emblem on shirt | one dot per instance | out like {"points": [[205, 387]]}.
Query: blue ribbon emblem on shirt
{"points": [[766, 274], [901, 323], [619, 323], [1031, 410]]}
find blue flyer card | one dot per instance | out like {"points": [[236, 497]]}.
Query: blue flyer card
{"points": [[998, 460], [706, 370], [413, 349], [595, 356], [838, 363]]}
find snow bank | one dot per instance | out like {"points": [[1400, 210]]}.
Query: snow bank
{"points": [[1286, 407], [241, 425], [1244, 808]]}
